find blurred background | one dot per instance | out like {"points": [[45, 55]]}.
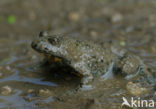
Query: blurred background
{"points": [[129, 23]]}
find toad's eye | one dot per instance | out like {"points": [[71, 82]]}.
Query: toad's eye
{"points": [[53, 41]]}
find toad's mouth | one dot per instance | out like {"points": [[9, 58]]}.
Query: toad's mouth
{"points": [[63, 62]]}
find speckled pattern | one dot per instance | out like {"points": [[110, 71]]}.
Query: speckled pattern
{"points": [[89, 58]]}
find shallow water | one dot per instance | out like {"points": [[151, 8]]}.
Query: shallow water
{"points": [[21, 67]]}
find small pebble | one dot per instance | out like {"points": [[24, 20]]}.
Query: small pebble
{"points": [[8, 68], [30, 90], [6, 90], [93, 35], [122, 43], [117, 17], [135, 88], [74, 16], [129, 29], [44, 92], [32, 16]]}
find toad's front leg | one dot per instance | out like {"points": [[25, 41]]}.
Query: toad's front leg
{"points": [[85, 82], [87, 76]]}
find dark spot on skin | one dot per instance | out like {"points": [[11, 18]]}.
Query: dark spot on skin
{"points": [[93, 56], [86, 45], [77, 42], [46, 48], [89, 65]]}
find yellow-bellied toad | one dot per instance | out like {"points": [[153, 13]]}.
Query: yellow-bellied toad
{"points": [[89, 59]]}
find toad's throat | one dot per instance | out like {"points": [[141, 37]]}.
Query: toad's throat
{"points": [[55, 59]]}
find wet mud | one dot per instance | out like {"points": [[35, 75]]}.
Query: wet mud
{"points": [[27, 82]]}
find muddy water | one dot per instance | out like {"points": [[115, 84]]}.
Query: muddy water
{"points": [[26, 83]]}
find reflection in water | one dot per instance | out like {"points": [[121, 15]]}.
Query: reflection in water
{"points": [[14, 101], [18, 102], [37, 81], [11, 60]]}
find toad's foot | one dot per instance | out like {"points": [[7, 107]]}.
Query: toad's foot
{"points": [[86, 87], [85, 83]]}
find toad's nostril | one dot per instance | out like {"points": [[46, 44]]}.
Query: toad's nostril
{"points": [[43, 34]]}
